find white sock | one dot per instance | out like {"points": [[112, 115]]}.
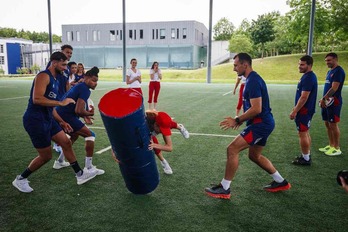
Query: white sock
{"points": [[306, 156], [277, 177], [88, 162], [225, 183], [61, 157]]}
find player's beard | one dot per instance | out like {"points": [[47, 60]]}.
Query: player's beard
{"points": [[58, 71]]}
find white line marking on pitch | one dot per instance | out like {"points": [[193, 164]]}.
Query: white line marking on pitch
{"points": [[12, 98], [174, 132], [103, 150], [227, 93]]}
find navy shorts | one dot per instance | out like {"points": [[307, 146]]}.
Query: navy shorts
{"points": [[74, 122], [40, 129], [303, 122], [331, 113], [257, 133]]}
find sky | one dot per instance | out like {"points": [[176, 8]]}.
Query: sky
{"points": [[32, 15]]}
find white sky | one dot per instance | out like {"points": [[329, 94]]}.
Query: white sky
{"points": [[32, 14]]}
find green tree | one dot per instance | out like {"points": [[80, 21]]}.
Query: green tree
{"points": [[8, 32], [36, 37], [223, 29], [300, 21], [244, 28], [240, 43], [262, 30]]}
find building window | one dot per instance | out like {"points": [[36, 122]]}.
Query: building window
{"points": [[112, 35], [184, 33], [173, 33], [2, 60], [153, 33], [78, 36], [156, 33], [86, 35], [141, 36], [130, 34], [135, 34], [162, 33], [177, 33], [1, 48], [69, 36], [119, 35], [94, 35]]}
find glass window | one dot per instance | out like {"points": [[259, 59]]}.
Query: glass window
{"points": [[86, 35], [135, 34], [162, 33], [78, 36], [184, 33], [98, 35], [112, 35], [2, 60], [121, 35], [69, 36], [141, 36], [156, 33], [173, 33], [130, 34], [153, 33], [177, 33], [94, 35], [1, 48]]}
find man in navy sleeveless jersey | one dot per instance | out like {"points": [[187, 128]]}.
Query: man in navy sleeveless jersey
{"points": [[259, 125], [71, 114], [331, 114], [305, 102], [42, 128]]}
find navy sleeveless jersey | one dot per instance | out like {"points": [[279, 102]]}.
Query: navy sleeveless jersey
{"points": [[50, 93]]}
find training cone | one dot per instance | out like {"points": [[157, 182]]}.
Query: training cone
{"points": [[123, 115]]}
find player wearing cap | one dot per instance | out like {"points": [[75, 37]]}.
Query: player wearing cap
{"points": [[162, 123]]}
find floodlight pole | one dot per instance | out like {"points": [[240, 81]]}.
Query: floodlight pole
{"points": [[124, 40], [209, 42], [49, 24], [311, 29]]}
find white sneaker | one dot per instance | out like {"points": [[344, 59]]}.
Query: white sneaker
{"points": [[184, 132], [86, 176], [94, 168], [166, 168], [58, 165], [22, 185]]}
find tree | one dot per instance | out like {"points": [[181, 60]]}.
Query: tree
{"points": [[244, 28], [262, 30], [300, 20], [223, 29], [240, 43], [36, 37]]}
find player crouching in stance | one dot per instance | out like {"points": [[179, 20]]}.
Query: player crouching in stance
{"points": [[38, 121], [162, 123], [71, 113], [260, 124]]}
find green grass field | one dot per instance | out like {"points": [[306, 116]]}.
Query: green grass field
{"points": [[315, 202]]}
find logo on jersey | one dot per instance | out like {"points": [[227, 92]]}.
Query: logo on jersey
{"points": [[52, 95]]}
